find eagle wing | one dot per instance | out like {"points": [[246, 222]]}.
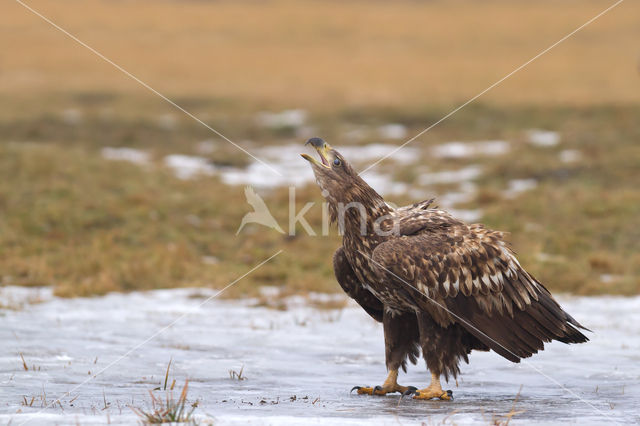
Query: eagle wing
{"points": [[467, 274], [354, 288]]}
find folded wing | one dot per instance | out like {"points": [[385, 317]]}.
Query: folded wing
{"points": [[467, 274]]}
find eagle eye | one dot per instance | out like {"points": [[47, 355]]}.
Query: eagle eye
{"points": [[337, 162]]}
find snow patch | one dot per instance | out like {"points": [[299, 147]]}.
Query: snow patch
{"points": [[210, 260], [609, 278], [468, 173], [393, 131], [470, 149], [285, 159], [206, 147], [132, 155], [570, 156], [296, 171], [543, 138], [376, 151], [384, 184], [290, 118], [518, 186], [469, 216], [188, 167]]}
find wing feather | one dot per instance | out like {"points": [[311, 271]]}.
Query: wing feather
{"points": [[474, 279], [354, 288]]}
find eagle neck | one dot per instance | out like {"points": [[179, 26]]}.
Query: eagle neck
{"points": [[365, 221]]}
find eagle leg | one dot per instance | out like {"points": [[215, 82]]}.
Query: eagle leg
{"points": [[389, 386], [434, 390]]}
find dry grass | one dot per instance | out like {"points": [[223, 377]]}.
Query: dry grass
{"points": [[168, 410], [237, 375], [505, 419], [89, 226], [319, 55]]}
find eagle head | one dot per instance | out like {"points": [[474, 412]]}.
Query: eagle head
{"points": [[334, 174], [340, 184], [345, 191]]}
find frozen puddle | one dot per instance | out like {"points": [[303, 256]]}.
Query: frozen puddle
{"points": [[300, 364]]}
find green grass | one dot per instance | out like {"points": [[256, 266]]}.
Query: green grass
{"points": [[87, 226]]}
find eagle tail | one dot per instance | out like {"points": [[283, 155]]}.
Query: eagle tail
{"points": [[523, 333]]}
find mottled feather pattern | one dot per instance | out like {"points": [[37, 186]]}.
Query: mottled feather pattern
{"points": [[467, 274], [437, 282]]}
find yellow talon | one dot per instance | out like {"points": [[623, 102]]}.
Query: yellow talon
{"points": [[389, 386], [433, 391], [371, 391]]}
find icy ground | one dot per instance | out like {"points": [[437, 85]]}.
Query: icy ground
{"points": [[299, 364]]}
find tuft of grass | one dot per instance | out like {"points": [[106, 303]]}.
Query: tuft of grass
{"points": [[237, 375], [24, 363], [42, 398], [28, 403], [505, 419], [168, 410], [26, 367], [166, 377]]}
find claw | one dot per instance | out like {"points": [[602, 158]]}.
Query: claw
{"points": [[430, 394], [355, 388], [375, 389], [410, 391]]}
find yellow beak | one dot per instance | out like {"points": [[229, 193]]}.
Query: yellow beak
{"points": [[323, 149]]}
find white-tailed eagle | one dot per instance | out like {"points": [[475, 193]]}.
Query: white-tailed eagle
{"points": [[436, 284]]}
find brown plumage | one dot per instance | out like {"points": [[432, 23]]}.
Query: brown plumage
{"points": [[436, 283]]}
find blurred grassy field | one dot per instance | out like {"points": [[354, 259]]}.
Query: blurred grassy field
{"points": [[85, 225], [324, 54], [88, 225]]}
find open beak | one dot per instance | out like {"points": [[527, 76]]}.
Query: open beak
{"points": [[323, 149]]}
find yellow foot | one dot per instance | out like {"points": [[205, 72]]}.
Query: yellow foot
{"points": [[383, 390], [430, 393]]}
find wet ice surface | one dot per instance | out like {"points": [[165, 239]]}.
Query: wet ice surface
{"points": [[314, 355]]}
